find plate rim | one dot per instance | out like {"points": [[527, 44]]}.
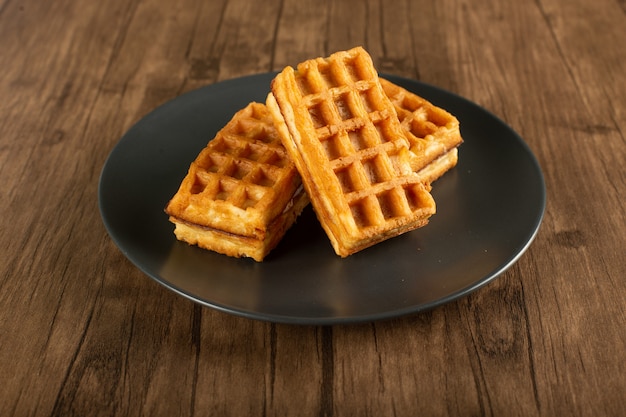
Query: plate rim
{"points": [[325, 320]]}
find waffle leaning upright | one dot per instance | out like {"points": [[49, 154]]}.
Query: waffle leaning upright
{"points": [[242, 192], [344, 136]]}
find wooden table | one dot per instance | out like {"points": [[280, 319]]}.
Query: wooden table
{"points": [[83, 332]]}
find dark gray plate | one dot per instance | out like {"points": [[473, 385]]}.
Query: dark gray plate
{"points": [[489, 209]]}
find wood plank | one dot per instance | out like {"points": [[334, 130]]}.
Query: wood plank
{"points": [[84, 332], [533, 106], [48, 245], [297, 34]]}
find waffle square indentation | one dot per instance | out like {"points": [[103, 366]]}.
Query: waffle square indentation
{"points": [[224, 190], [237, 170], [361, 211], [250, 198], [328, 77], [264, 178], [343, 107], [371, 99], [334, 147], [349, 179], [376, 170], [317, 116], [391, 204], [414, 197], [385, 133]]}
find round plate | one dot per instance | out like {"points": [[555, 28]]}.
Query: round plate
{"points": [[489, 208]]}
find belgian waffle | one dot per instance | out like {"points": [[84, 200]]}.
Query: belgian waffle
{"points": [[342, 133], [432, 132], [242, 192]]}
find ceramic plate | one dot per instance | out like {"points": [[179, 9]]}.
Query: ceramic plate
{"points": [[489, 208]]}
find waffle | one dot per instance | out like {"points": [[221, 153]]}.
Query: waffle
{"points": [[432, 132], [434, 170], [342, 133], [242, 192]]}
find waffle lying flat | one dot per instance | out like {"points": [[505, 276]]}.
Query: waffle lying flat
{"points": [[342, 132], [432, 132], [242, 192]]}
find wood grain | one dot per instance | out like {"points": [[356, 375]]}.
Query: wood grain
{"points": [[83, 332]]}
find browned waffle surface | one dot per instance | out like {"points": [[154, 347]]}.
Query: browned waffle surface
{"points": [[240, 186], [431, 130], [342, 132]]}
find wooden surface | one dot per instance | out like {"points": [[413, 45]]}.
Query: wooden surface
{"points": [[83, 332]]}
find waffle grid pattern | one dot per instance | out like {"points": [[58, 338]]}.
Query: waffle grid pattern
{"points": [[366, 148], [431, 131], [243, 164]]}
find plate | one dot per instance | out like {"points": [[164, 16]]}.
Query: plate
{"points": [[489, 208]]}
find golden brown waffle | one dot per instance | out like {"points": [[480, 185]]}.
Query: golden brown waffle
{"points": [[342, 132], [433, 171], [242, 192], [432, 132]]}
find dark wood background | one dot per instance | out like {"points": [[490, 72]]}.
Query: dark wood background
{"points": [[83, 332]]}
